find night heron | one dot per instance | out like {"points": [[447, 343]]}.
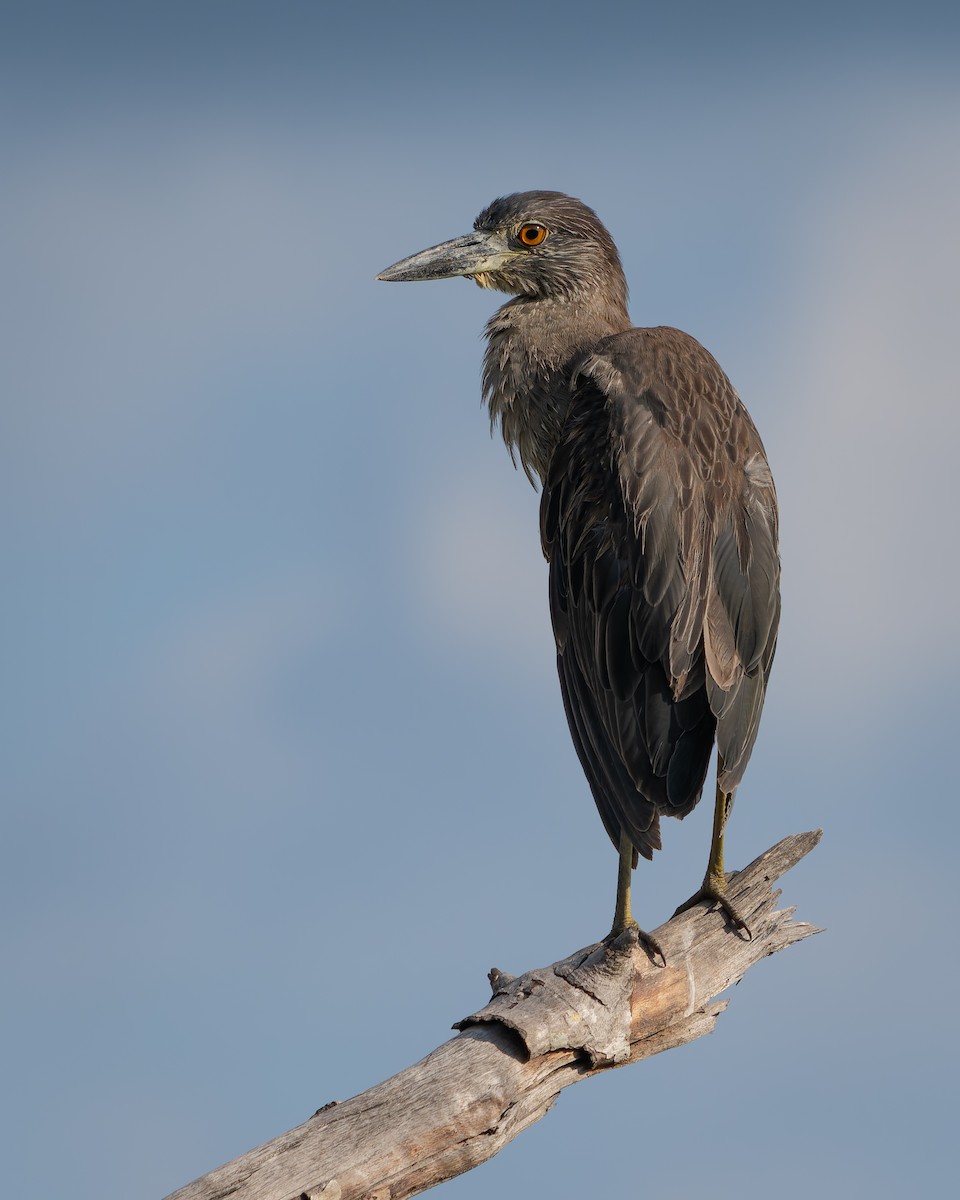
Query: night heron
{"points": [[658, 519]]}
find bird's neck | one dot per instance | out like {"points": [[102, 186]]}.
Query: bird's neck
{"points": [[531, 345]]}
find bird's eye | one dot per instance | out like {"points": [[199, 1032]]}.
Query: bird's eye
{"points": [[532, 235]]}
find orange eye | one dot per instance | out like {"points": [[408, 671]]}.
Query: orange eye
{"points": [[532, 235]]}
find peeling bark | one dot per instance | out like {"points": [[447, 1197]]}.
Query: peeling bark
{"points": [[602, 1007]]}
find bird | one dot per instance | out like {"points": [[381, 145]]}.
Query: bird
{"points": [[658, 519]]}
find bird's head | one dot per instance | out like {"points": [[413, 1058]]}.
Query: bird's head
{"points": [[536, 244]]}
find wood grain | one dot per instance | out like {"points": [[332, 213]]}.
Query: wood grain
{"points": [[602, 1007]]}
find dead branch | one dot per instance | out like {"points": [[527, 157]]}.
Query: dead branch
{"points": [[602, 1007]]}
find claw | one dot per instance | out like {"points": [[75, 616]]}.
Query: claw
{"points": [[618, 939], [713, 894]]}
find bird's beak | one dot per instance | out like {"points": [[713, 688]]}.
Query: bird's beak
{"points": [[473, 254]]}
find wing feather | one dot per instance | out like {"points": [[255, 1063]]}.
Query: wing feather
{"points": [[659, 522]]}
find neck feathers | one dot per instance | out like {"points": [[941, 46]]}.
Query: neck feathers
{"points": [[531, 345]]}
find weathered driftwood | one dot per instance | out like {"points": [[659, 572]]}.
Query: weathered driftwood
{"points": [[600, 1008]]}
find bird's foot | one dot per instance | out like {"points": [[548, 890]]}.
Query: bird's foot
{"points": [[714, 891], [620, 938]]}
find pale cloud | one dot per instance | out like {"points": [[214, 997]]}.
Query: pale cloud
{"points": [[482, 578], [869, 487], [230, 698], [219, 665]]}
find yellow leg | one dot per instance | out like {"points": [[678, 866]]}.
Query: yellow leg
{"points": [[623, 917], [714, 887], [715, 877]]}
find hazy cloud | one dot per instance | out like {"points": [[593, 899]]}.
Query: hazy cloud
{"points": [[869, 490]]}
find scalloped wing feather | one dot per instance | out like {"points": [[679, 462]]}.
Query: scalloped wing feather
{"points": [[659, 522]]}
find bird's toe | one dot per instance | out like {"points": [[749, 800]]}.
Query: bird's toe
{"points": [[715, 892]]}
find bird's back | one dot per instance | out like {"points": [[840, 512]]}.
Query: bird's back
{"points": [[659, 521]]}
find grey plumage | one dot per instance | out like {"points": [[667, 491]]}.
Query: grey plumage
{"points": [[659, 521], [658, 511]]}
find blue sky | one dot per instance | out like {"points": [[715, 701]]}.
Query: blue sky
{"points": [[283, 749]]}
